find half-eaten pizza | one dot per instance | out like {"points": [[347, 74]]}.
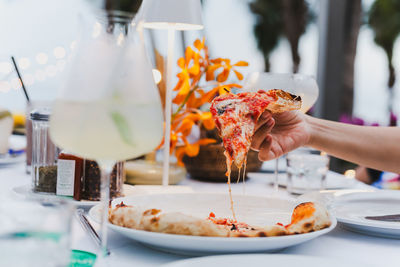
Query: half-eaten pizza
{"points": [[306, 217]]}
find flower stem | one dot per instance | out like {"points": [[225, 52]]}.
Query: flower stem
{"points": [[184, 102]]}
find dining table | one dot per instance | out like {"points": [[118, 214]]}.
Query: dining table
{"points": [[338, 244]]}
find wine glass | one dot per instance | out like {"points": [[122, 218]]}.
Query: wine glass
{"points": [[301, 85], [109, 108]]}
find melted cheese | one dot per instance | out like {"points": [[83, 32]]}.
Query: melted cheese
{"points": [[228, 173]]}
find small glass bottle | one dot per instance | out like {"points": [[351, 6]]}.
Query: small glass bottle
{"points": [[44, 153]]}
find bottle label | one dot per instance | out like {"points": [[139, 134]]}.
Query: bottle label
{"points": [[65, 177]]}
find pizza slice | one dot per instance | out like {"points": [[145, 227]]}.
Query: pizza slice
{"points": [[236, 117]]}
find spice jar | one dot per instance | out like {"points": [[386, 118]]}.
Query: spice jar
{"points": [[91, 180], [44, 153], [69, 175], [80, 178]]}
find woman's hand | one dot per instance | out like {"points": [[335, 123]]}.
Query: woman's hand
{"points": [[277, 134], [375, 147]]}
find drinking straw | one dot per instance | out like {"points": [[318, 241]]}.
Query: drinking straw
{"points": [[20, 78]]}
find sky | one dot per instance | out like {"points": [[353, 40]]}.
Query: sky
{"points": [[42, 34]]}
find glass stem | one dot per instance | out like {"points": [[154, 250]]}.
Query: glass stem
{"points": [[276, 174], [106, 169]]}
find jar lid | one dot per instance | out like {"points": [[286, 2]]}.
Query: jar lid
{"points": [[41, 114]]}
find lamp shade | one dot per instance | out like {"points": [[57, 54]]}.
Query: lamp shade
{"points": [[176, 14]]}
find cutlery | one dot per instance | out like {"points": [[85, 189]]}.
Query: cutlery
{"points": [[385, 218], [89, 228]]}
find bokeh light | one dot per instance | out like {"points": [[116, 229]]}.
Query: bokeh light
{"points": [[41, 58], [157, 76], [24, 63], [350, 173], [59, 52]]}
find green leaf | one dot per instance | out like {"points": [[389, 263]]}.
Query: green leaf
{"points": [[123, 127]]}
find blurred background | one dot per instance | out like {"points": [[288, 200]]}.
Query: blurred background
{"points": [[350, 46]]}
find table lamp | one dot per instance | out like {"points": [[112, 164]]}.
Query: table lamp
{"points": [[171, 15]]}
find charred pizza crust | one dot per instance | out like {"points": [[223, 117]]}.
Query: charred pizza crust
{"points": [[267, 231], [308, 217], [154, 220]]}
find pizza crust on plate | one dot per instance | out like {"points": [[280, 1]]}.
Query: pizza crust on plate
{"points": [[307, 217]]}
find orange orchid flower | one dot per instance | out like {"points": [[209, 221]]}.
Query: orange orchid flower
{"points": [[207, 120], [196, 67], [191, 150]]}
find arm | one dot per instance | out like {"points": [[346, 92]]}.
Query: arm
{"points": [[375, 147]]}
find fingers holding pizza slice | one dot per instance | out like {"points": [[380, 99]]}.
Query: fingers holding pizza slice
{"points": [[236, 117]]}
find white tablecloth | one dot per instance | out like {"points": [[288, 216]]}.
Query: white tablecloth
{"points": [[338, 244]]}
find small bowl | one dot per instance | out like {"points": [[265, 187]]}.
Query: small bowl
{"points": [[143, 172], [6, 127]]}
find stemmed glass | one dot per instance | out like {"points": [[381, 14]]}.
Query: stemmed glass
{"points": [[302, 85], [108, 108]]}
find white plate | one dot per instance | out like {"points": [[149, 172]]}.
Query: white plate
{"points": [[26, 191], [351, 210], [250, 209], [259, 260], [7, 159], [16, 142], [333, 181], [328, 197]]}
